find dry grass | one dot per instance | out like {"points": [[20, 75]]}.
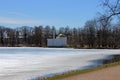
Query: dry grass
{"points": [[72, 73]]}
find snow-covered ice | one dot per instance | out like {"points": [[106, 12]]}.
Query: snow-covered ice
{"points": [[26, 63]]}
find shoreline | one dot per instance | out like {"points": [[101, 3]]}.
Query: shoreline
{"points": [[109, 62], [79, 72], [108, 73]]}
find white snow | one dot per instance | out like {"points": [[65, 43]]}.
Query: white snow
{"points": [[26, 63]]}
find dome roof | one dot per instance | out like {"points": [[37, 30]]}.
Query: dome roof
{"points": [[61, 35]]}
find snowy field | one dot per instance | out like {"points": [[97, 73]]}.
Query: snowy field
{"points": [[28, 63]]}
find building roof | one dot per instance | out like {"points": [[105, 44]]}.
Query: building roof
{"points": [[61, 35]]}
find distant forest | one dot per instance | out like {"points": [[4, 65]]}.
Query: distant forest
{"points": [[100, 32]]}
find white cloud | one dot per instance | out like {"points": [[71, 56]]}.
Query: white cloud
{"points": [[18, 18], [4, 20], [19, 14]]}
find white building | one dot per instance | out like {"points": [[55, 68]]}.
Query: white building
{"points": [[60, 41]]}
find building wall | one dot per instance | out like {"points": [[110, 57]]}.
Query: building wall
{"points": [[58, 42]]}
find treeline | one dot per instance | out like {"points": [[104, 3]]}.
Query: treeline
{"points": [[100, 32], [95, 34]]}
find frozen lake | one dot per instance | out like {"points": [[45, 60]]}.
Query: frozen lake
{"points": [[27, 63]]}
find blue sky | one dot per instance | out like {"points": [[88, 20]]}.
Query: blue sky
{"points": [[60, 13]]}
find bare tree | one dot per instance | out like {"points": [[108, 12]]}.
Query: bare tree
{"points": [[104, 30], [90, 27], [11, 34], [38, 35], [2, 35], [112, 8]]}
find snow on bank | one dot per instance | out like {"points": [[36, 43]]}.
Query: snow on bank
{"points": [[26, 63]]}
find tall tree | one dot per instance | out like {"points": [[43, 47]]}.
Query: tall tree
{"points": [[46, 34], [105, 26], [2, 29], [112, 8], [91, 32], [38, 35]]}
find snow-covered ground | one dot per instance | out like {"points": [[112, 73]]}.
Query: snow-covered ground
{"points": [[27, 63]]}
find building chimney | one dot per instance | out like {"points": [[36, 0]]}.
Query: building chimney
{"points": [[53, 33]]}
